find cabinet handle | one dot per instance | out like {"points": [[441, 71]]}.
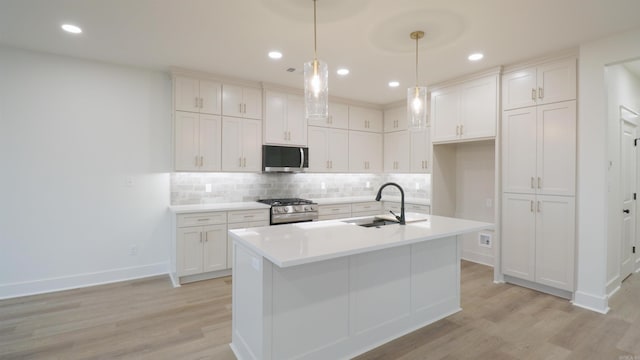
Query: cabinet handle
{"points": [[240, 108], [531, 205], [196, 160], [196, 101], [540, 93], [240, 161], [244, 162], [461, 130], [201, 160], [203, 219], [200, 237], [532, 182], [533, 94], [244, 108], [539, 206], [330, 164], [201, 103], [457, 130], [539, 183], [285, 135], [330, 119], [206, 237]]}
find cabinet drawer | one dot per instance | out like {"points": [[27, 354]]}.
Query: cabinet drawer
{"points": [[366, 207], [248, 216], [195, 219], [248, 224], [334, 209], [423, 209]]}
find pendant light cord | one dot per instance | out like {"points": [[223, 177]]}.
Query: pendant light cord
{"points": [[315, 40], [416, 59]]}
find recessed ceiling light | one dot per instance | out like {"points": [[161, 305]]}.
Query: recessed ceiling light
{"points": [[343, 71], [71, 28], [394, 84], [476, 57], [275, 54]]}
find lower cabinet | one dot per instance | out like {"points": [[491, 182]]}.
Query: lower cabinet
{"points": [[244, 219], [332, 212], [416, 208], [201, 249], [538, 239], [366, 209]]}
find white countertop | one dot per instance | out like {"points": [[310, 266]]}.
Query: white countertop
{"points": [[359, 199], [303, 243], [252, 205]]}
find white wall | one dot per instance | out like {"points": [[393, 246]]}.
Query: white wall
{"points": [[71, 133], [593, 158], [623, 88]]}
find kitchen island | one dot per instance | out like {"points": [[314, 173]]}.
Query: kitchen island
{"points": [[333, 289]]}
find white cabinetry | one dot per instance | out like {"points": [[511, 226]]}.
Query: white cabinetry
{"points": [[338, 117], [334, 211], [201, 96], [365, 119], [395, 119], [241, 144], [466, 111], [395, 207], [539, 239], [239, 101], [397, 156], [197, 142], [285, 122], [201, 241], [420, 151], [366, 208], [547, 83], [365, 152], [328, 149], [244, 219], [539, 153]]}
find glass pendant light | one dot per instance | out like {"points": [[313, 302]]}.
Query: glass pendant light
{"points": [[316, 80], [417, 96]]}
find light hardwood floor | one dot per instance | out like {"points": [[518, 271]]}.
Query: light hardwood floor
{"points": [[147, 319]]}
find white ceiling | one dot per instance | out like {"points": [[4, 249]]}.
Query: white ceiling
{"points": [[370, 37]]}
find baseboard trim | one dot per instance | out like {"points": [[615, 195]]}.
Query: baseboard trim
{"points": [[477, 258], [599, 304], [538, 287], [13, 290], [203, 276]]}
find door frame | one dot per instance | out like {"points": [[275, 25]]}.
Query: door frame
{"points": [[630, 116]]}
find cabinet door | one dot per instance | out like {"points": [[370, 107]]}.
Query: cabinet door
{"points": [[187, 137], [557, 81], [210, 142], [214, 248], [479, 108], [318, 149], [252, 145], [519, 150], [518, 236], [365, 152], [252, 100], [232, 104], [296, 120], [338, 148], [232, 144], [397, 156], [445, 114], [275, 129], [519, 89], [189, 251], [395, 119], [211, 95], [338, 116], [556, 162], [364, 119], [420, 151], [555, 241], [374, 152], [186, 94]]}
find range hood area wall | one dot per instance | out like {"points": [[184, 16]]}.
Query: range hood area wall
{"points": [[191, 188]]}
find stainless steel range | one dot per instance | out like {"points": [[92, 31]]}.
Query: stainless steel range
{"points": [[286, 211]]}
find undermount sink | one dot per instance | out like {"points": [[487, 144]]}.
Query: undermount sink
{"points": [[370, 222]]}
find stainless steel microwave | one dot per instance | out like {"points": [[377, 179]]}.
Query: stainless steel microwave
{"points": [[286, 159]]}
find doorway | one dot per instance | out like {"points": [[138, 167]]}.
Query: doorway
{"points": [[629, 180]]}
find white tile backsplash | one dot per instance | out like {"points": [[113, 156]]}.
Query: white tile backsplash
{"points": [[190, 188]]}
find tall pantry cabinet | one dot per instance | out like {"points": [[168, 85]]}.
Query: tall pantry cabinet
{"points": [[539, 174]]}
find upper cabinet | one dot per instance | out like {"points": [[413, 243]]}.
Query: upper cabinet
{"points": [[193, 95], [338, 117], [365, 152], [328, 149], [241, 145], [397, 156], [395, 119], [548, 83], [465, 111], [285, 122], [197, 142], [420, 151], [239, 101], [365, 119]]}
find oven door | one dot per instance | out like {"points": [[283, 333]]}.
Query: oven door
{"points": [[284, 158]]}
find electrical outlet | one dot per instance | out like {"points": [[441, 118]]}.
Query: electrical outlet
{"points": [[484, 240], [133, 250]]}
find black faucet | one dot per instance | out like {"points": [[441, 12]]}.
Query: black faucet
{"points": [[379, 196]]}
